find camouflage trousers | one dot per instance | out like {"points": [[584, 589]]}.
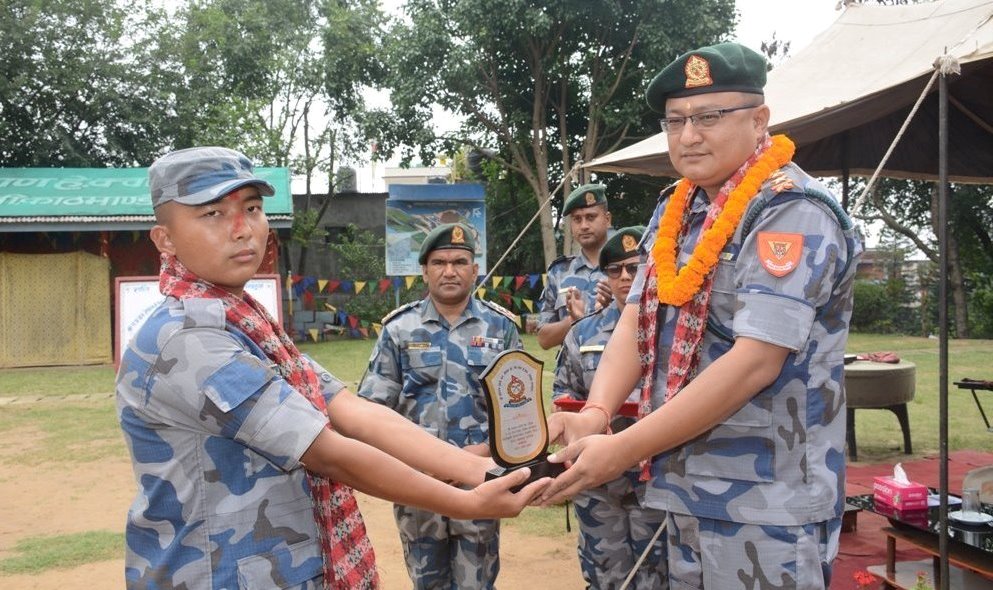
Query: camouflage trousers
{"points": [[614, 530], [445, 553], [720, 555]]}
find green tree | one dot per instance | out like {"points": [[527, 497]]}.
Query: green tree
{"points": [[908, 208], [75, 90], [546, 83], [360, 257], [283, 81]]}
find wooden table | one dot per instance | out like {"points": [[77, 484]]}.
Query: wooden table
{"points": [[962, 556]]}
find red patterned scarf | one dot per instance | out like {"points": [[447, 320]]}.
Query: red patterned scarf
{"points": [[349, 561], [692, 319]]}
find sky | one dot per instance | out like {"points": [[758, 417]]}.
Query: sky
{"points": [[796, 21]]}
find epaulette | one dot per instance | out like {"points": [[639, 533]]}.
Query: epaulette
{"points": [[666, 192], [563, 258], [500, 309], [203, 313], [398, 311]]}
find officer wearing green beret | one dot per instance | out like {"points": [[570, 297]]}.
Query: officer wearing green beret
{"points": [[426, 366], [614, 528], [736, 327], [574, 285]]}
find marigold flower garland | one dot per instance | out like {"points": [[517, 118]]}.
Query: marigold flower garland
{"points": [[678, 288]]}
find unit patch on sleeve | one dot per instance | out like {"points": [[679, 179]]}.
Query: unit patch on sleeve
{"points": [[779, 253]]}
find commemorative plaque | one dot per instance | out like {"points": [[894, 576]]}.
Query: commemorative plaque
{"points": [[518, 431]]}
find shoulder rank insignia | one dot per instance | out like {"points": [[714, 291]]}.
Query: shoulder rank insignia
{"points": [[398, 311], [780, 182], [560, 259], [501, 310]]}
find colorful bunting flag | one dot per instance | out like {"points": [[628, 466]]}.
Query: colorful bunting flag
{"points": [[321, 283], [359, 285], [410, 281], [518, 281], [313, 334]]}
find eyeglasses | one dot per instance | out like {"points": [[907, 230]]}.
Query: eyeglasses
{"points": [[704, 120], [614, 270]]}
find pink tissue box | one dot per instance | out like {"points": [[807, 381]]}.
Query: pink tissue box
{"points": [[902, 496]]}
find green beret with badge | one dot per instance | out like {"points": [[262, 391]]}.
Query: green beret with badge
{"points": [[622, 245], [725, 67], [448, 236], [587, 195]]}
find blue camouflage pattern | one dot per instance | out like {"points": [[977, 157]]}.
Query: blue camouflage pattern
{"points": [[722, 554], [429, 371], [215, 436], [778, 462], [614, 527], [568, 271]]}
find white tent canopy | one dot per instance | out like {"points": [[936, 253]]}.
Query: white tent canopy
{"points": [[843, 98]]}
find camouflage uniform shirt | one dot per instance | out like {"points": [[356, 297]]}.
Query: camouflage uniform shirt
{"points": [[215, 436], [428, 370], [565, 272], [779, 460]]}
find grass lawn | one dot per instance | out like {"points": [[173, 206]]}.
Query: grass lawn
{"points": [[87, 430], [878, 431]]}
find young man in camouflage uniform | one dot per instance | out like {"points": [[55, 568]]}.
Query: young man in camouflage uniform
{"points": [[426, 366], [738, 323], [242, 483], [574, 285], [614, 527]]}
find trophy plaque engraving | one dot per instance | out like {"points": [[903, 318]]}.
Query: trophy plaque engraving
{"points": [[518, 431]]}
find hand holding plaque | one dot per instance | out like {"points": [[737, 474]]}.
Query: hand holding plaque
{"points": [[518, 431]]}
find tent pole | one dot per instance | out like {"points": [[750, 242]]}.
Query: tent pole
{"points": [[845, 174], [943, 328]]}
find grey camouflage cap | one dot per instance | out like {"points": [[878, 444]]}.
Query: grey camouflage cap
{"points": [[199, 175]]}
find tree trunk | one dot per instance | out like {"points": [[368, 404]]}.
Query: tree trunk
{"points": [[956, 284]]}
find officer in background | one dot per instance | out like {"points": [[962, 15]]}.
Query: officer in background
{"points": [[426, 366], [574, 285], [614, 528]]}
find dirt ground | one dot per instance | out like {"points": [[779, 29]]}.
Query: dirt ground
{"points": [[95, 496]]}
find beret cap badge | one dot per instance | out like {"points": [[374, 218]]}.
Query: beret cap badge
{"points": [[697, 71], [458, 236], [629, 243], [590, 199]]}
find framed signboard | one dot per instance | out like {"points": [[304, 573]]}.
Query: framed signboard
{"points": [[413, 210], [135, 298]]}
